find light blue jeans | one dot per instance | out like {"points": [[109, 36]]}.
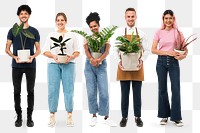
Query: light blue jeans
{"points": [[66, 74], [97, 82]]}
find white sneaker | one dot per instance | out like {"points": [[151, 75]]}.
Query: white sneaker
{"points": [[164, 121], [110, 122], [52, 120], [93, 121], [70, 122], [178, 123]]}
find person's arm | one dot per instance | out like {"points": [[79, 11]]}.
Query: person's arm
{"points": [[7, 50], [88, 54], [50, 55], [37, 52], [154, 50]]}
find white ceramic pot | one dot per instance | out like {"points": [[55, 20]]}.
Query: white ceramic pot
{"points": [[96, 55], [62, 58], [130, 61], [180, 51], [23, 55]]}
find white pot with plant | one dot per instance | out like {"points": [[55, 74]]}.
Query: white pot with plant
{"points": [[129, 52], [98, 40], [62, 57], [184, 44], [22, 54]]}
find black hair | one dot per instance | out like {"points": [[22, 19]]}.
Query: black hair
{"points": [[24, 8], [170, 12], [93, 17]]}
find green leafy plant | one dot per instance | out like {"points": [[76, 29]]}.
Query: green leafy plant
{"points": [[127, 46], [60, 43], [98, 40], [18, 30]]}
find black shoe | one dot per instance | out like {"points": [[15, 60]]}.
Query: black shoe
{"points": [[30, 122], [123, 122], [18, 122], [138, 122]]}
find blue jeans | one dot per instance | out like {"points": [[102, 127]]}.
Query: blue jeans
{"points": [[97, 81], [66, 74], [165, 65]]}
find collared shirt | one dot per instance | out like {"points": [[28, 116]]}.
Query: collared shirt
{"points": [[130, 30], [71, 45]]}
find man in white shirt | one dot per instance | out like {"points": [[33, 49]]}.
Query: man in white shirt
{"points": [[126, 78]]}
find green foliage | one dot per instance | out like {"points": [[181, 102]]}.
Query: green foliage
{"points": [[98, 40], [127, 46], [18, 30], [60, 43]]}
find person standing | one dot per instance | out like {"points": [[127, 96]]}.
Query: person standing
{"points": [[29, 67], [57, 71], [96, 76], [165, 41], [135, 78]]}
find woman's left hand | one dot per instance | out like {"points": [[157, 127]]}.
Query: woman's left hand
{"points": [[70, 58]]}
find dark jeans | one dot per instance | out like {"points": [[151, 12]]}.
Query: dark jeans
{"points": [[125, 89], [165, 65], [17, 74]]}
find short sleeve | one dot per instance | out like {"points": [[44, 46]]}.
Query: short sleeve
{"points": [[156, 36], [10, 35]]}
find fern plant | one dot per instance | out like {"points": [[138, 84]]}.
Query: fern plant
{"points": [[127, 46], [60, 43], [18, 30], [98, 40]]}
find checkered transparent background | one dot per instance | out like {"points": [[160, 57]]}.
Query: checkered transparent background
{"points": [[112, 13]]}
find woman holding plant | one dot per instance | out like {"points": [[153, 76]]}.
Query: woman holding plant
{"points": [[96, 74], [165, 41], [61, 42]]}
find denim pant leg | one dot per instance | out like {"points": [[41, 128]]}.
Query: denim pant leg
{"points": [[91, 86], [17, 80], [30, 81], [137, 101], [102, 84], [54, 76], [163, 100], [125, 90], [68, 78], [174, 74]]}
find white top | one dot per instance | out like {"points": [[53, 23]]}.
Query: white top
{"points": [[71, 45], [121, 32]]}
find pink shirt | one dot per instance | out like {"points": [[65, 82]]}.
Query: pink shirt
{"points": [[166, 39]]}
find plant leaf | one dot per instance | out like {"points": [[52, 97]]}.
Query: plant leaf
{"points": [[67, 39], [16, 29], [28, 34], [54, 39]]}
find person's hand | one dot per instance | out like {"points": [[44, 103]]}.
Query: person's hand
{"points": [[172, 53], [120, 65], [55, 57], [140, 64], [16, 59], [71, 57], [30, 59], [94, 62], [180, 56]]}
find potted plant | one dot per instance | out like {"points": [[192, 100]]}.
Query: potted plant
{"points": [[129, 52], [98, 40], [62, 57], [184, 44], [23, 54]]}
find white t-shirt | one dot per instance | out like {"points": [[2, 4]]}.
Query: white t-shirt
{"points": [[71, 45]]}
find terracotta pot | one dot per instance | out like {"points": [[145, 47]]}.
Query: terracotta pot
{"points": [[23, 55], [130, 61]]}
